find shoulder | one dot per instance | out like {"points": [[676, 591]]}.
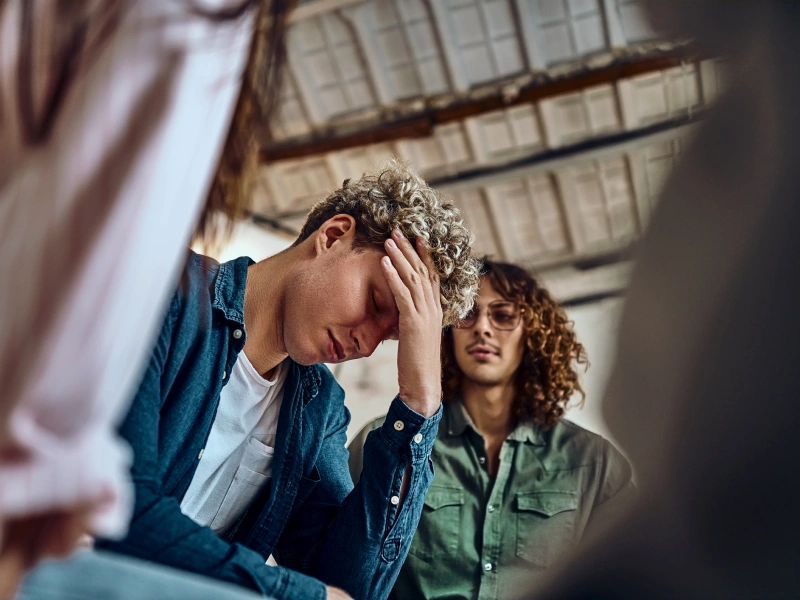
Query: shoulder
{"points": [[198, 277], [578, 446], [198, 265], [595, 449]]}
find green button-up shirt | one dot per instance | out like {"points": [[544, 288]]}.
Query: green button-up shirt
{"points": [[477, 532]]}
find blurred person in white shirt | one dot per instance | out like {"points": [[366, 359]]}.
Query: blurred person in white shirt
{"points": [[113, 120]]}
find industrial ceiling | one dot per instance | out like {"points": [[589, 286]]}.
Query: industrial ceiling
{"points": [[552, 123]]}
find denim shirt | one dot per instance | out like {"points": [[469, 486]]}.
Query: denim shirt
{"points": [[311, 518]]}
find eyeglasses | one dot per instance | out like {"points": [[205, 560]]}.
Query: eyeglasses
{"points": [[503, 316]]}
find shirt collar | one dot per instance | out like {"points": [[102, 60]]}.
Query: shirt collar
{"points": [[229, 298], [527, 431], [229, 288], [456, 420]]}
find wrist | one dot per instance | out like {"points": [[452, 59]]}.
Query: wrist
{"points": [[427, 406]]}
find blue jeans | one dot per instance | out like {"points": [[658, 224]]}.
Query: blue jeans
{"points": [[90, 575]]}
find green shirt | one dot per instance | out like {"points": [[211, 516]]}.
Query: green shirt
{"points": [[477, 532]]}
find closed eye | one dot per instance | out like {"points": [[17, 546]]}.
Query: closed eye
{"points": [[375, 303]]}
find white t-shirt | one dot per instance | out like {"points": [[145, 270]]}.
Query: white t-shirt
{"points": [[237, 460]]}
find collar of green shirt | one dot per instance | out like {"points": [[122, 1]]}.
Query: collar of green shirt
{"points": [[455, 421]]}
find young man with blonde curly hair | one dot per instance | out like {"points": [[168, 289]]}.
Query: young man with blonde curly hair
{"points": [[516, 485], [239, 431]]}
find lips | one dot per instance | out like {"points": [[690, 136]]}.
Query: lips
{"points": [[482, 352], [335, 349]]}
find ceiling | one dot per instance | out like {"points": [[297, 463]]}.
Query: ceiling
{"points": [[552, 123]]}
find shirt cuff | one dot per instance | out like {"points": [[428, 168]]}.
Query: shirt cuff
{"points": [[293, 584], [406, 430]]}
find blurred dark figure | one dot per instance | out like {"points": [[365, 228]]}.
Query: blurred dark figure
{"points": [[704, 396]]}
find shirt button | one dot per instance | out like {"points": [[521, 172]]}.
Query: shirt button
{"points": [[224, 374], [490, 508], [237, 333], [487, 567], [399, 425], [418, 438], [482, 459], [395, 500], [199, 456]]}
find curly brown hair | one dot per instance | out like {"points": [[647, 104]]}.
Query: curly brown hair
{"points": [[548, 374]]}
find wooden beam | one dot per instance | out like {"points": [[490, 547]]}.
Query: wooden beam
{"points": [[417, 127], [422, 124]]}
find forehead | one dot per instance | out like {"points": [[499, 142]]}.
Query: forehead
{"points": [[365, 257], [365, 264], [487, 292]]}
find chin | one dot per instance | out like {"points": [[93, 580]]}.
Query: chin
{"points": [[304, 356], [483, 378], [305, 362]]}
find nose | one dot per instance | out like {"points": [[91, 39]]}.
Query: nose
{"points": [[366, 341], [483, 326]]}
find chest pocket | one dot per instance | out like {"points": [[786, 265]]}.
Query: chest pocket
{"points": [[252, 475], [307, 485], [438, 530], [545, 525]]}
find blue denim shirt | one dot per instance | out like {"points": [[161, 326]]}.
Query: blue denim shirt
{"points": [[311, 518]]}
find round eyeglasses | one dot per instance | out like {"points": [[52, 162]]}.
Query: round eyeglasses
{"points": [[503, 316]]}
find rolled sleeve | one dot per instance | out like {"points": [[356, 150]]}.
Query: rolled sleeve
{"points": [[408, 432]]}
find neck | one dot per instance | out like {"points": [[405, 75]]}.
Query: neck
{"points": [[263, 312], [490, 408]]}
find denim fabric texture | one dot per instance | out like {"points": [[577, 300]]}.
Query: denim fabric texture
{"points": [[310, 518]]}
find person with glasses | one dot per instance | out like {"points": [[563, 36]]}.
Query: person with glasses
{"points": [[516, 485]]}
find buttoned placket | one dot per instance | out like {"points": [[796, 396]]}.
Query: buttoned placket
{"points": [[395, 499], [492, 526]]}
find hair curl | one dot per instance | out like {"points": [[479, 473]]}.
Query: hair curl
{"points": [[547, 376], [398, 198]]}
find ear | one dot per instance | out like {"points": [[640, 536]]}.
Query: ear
{"points": [[335, 233]]}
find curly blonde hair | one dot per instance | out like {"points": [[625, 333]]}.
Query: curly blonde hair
{"points": [[398, 198], [547, 377]]}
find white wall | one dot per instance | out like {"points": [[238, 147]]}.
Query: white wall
{"points": [[248, 239], [596, 325]]}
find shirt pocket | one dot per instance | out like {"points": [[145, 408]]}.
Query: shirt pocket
{"points": [[307, 485], [253, 473], [439, 526], [545, 525]]}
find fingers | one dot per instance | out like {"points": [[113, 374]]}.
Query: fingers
{"points": [[433, 273], [408, 265], [409, 252], [415, 267], [402, 295]]}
